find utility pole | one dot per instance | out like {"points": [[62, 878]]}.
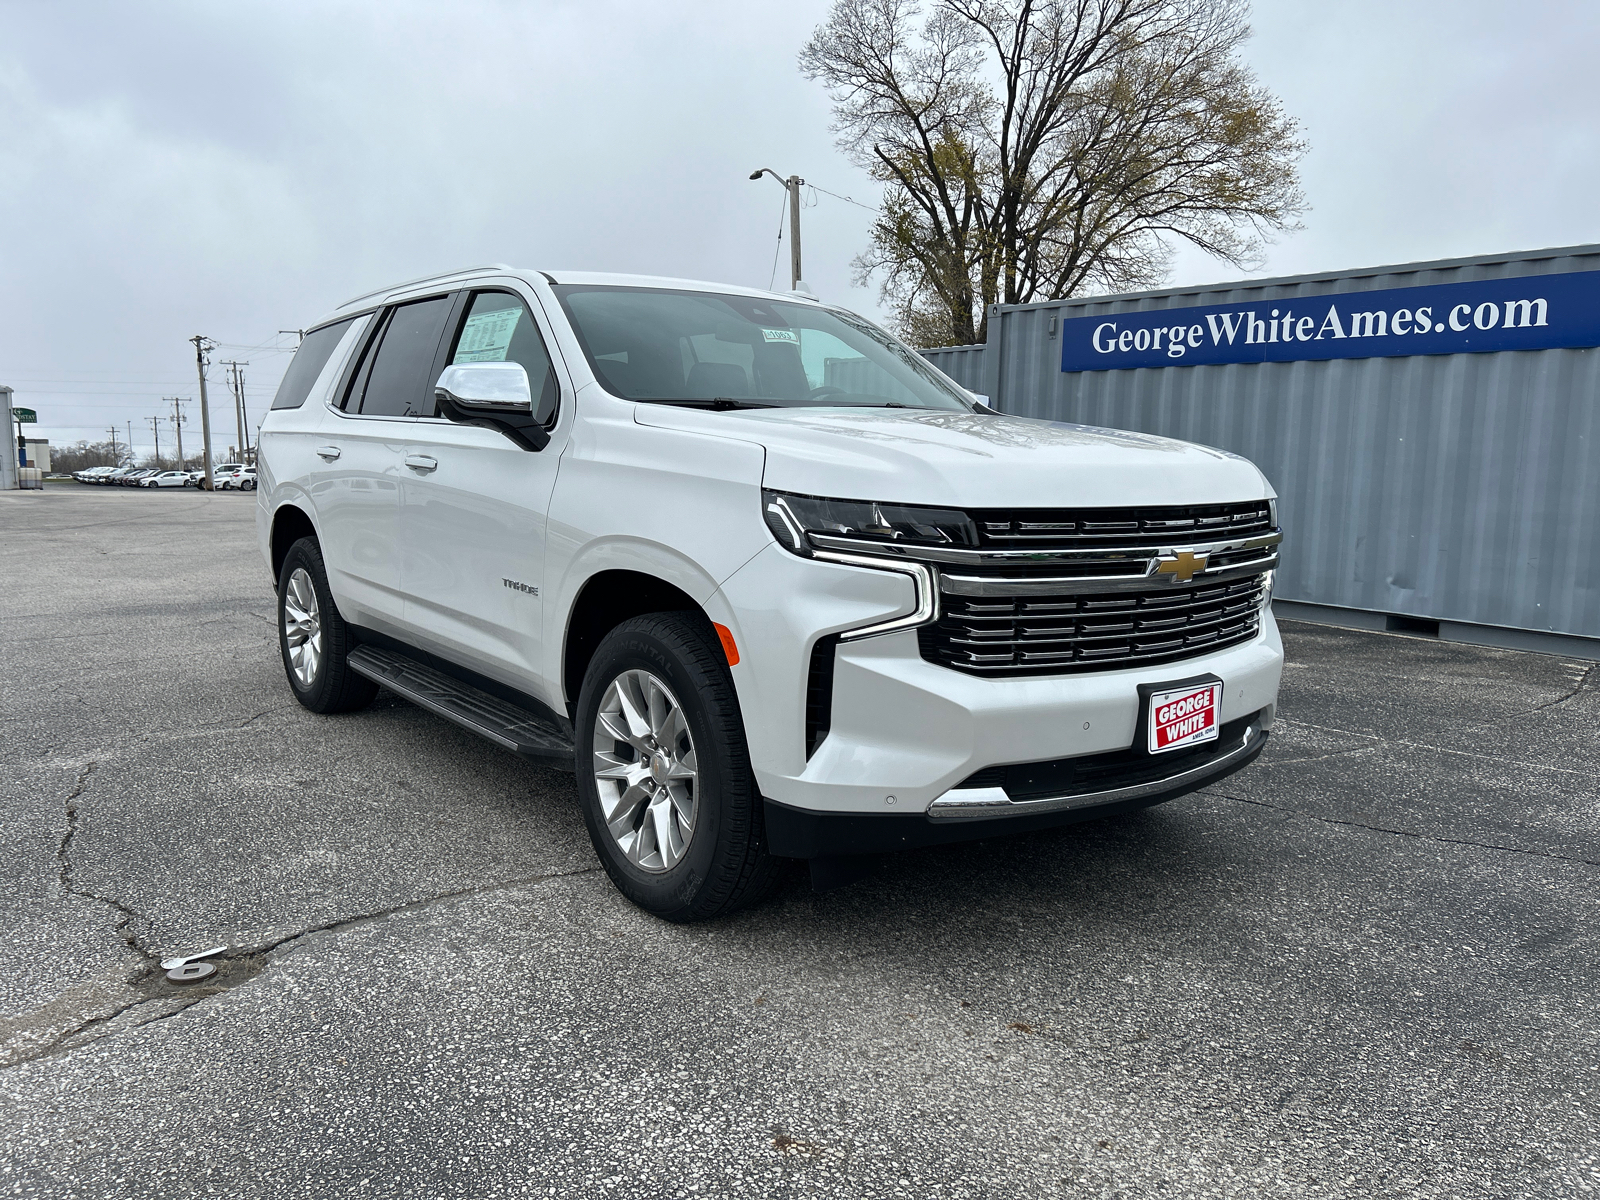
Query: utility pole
{"points": [[203, 344], [130, 440], [249, 454], [116, 459], [236, 383], [300, 335], [177, 424], [792, 185], [155, 432]]}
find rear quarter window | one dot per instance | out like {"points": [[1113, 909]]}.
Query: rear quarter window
{"points": [[307, 364]]}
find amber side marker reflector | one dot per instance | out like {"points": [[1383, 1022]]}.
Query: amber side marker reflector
{"points": [[728, 646]]}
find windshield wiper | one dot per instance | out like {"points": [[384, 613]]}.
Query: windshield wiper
{"points": [[714, 403]]}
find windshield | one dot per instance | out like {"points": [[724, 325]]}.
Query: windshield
{"points": [[704, 348]]}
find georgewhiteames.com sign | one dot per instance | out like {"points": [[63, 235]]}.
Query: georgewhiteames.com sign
{"points": [[1534, 312]]}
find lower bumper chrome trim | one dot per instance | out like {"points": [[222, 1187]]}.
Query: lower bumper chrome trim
{"points": [[972, 804]]}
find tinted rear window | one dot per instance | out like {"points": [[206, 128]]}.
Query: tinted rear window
{"points": [[398, 384], [307, 364]]}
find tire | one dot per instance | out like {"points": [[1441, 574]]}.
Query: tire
{"points": [[330, 686], [723, 864]]}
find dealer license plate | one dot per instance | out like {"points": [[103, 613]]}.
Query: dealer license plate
{"points": [[1184, 716]]}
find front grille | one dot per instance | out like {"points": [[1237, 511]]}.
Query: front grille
{"points": [[1074, 529], [1094, 631], [1105, 772]]}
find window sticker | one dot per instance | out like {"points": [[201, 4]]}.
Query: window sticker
{"points": [[781, 335], [487, 336]]}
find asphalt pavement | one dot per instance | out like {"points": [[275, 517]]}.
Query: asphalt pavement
{"points": [[1364, 967]]}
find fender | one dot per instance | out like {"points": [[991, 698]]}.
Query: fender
{"points": [[659, 561]]}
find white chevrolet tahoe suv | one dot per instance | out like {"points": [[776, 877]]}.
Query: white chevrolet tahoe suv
{"points": [[768, 582]]}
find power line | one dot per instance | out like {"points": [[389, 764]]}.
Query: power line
{"points": [[846, 199]]}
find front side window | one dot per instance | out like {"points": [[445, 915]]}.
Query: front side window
{"points": [[654, 344], [499, 328], [393, 381]]}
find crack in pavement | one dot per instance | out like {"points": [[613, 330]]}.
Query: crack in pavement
{"points": [[1380, 741], [69, 886], [1410, 833], [235, 968], [1284, 762], [344, 923]]}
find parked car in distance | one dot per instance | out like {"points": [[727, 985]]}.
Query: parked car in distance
{"points": [[166, 479], [93, 474], [245, 479], [132, 478], [771, 584], [198, 478]]}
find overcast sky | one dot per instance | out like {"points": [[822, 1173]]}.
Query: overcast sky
{"points": [[233, 170]]}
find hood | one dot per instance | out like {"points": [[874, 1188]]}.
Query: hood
{"points": [[975, 460]]}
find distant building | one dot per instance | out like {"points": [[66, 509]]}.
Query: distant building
{"points": [[37, 454]]}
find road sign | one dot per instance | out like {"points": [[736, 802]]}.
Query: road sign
{"points": [[25, 416]]}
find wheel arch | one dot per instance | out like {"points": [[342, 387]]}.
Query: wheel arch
{"points": [[290, 523], [607, 599]]}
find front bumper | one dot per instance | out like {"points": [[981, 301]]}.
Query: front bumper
{"points": [[904, 732], [971, 814]]}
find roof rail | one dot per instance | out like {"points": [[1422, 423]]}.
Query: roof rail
{"points": [[394, 287]]}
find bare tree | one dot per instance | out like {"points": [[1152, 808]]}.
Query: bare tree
{"points": [[1034, 149], [66, 460]]}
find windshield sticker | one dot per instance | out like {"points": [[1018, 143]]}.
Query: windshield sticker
{"points": [[487, 336], [781, 335]]}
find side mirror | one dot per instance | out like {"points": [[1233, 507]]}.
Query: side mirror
{"points": [[495, 395]]}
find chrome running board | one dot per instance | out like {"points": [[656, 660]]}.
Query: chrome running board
{"points": [[973, 804], [500, 721]]}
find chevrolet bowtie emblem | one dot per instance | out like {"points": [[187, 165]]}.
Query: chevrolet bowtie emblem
{"points": [[1183, 566]]}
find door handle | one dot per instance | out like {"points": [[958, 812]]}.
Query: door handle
{"points": [[328, 452], [421, 462]]}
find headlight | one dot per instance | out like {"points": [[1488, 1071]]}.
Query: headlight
{"points": [[791, 518]]}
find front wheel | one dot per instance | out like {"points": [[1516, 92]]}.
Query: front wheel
{"points": [[664, 773], [313, 638]]}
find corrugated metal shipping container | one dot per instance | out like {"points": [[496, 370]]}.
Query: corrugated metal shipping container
{"points": [[1458, 487], [964, 364]]}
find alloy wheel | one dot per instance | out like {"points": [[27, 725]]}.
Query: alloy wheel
{"points": [[302, 627], [645, 770]]}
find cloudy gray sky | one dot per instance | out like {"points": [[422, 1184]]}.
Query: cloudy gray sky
{"points": [[169, 169]]}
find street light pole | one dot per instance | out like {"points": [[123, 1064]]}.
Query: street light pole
{"points": [[792, 185]]}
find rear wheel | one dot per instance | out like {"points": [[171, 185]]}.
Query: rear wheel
{"points": [[664, 772], [314, 640]]}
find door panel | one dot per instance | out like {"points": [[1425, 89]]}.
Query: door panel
{"points": [[473, 510], [473, 548], [357, 494]]}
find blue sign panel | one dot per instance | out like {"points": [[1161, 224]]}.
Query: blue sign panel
{"points": [[1532, 312]]}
